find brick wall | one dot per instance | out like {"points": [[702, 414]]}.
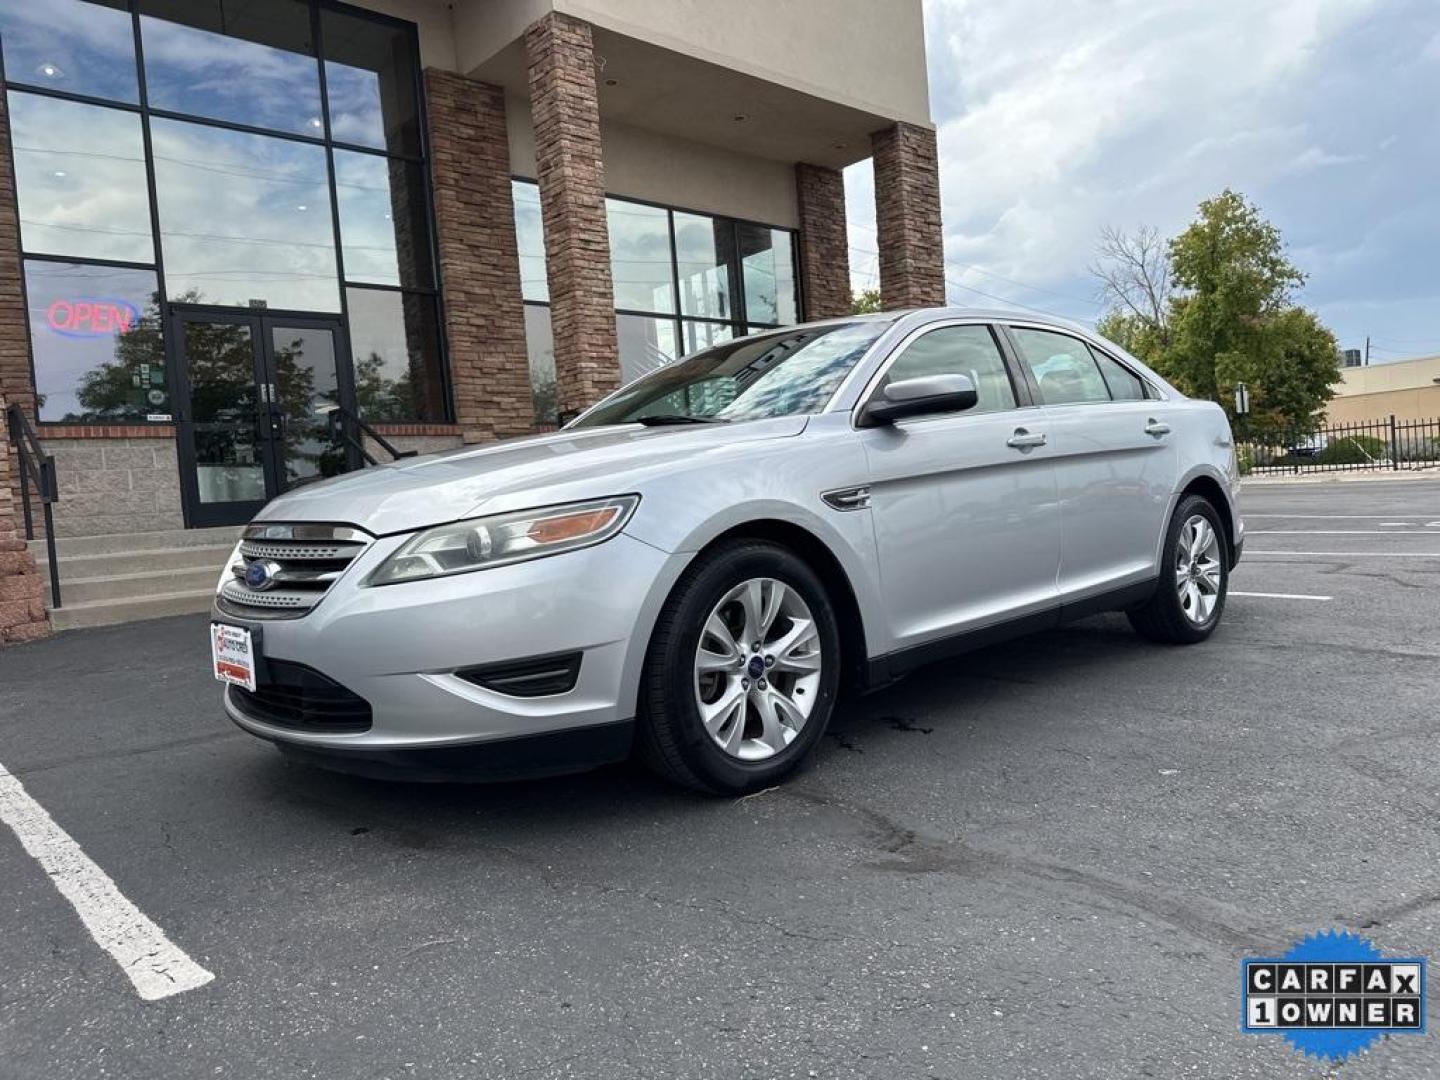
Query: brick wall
{"points": [[479, 263], [566, 117], [907, 217], [824, 243], [22, 612]]}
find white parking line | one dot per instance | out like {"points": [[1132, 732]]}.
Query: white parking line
{"points": [[1280, 595], [1352, 554], [156, 967], [1329, 517], [1335, 532]]}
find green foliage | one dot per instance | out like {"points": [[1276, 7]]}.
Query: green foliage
{"points": [[1234, 320], [866, 303], [1354, 450]]}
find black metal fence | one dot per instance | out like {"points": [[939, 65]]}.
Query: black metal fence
{"points": [[1372, 444]]}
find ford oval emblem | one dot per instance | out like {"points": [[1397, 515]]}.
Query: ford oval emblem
{"points": [[260, 574]]}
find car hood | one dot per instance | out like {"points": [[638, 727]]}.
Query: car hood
{"points": [[585, 463]]}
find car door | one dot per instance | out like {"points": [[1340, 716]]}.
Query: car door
{"points": [[1114, 456], [964, 504]]}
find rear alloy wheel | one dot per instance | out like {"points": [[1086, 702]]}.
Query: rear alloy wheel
{"points": [[1190, 595], [742, 671]]}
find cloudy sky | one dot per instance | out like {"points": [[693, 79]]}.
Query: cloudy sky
{"points": [[1057, 119]]}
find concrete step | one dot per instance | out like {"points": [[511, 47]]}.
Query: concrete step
{"points": [[136, 586], [131, 609], [114, 543], [76, 567]]}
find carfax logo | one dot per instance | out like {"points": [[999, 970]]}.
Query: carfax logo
{"points": [[1332, 995]]}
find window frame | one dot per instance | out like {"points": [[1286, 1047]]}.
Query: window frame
{"points": [[1019, 381], [329, 145], [1151, 392]]}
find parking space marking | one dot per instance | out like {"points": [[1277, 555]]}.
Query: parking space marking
{"points": [[1327, 517], [1280, 595], [156, 967], [1354, 554], [1335, 532]]}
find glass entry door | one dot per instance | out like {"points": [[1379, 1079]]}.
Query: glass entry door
{"points": [[255, 393]]}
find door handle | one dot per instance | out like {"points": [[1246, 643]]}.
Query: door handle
{"points": [[1024, 440], [1157, 428]]}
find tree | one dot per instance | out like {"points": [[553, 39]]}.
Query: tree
{"points": [[1214, 307], [866, 303], [1134, 274]]}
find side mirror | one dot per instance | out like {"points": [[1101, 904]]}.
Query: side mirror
{"points": [[923, 396]]}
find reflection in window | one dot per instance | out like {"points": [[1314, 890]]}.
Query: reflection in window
{"points": [[640, 260], [247, 61], [382, 219], [1063, 368], [645, 344], [959, 350], [80, 179], [540, 345], [68, 45], [244, 219], [705, 256], [530, 238], [768, 261], [1124, 386], [701, 335], [95, 331], [370, 83], [395, 345]]}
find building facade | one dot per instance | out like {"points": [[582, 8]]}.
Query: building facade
{"points": [[1405, 389], [231, 229]]}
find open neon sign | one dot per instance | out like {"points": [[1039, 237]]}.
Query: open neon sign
{"points": [[88, 316]]}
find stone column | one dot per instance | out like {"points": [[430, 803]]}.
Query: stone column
{"points": [[824, 243], [16, 382], [907, 217], [571, 172], [22, 612], [479, 261]]}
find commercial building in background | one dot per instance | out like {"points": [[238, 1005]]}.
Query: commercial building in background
{"points": [[1407, 390], [231, 229]]}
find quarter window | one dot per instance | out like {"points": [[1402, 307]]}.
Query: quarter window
{"points": [[1063, 368], [1124, 384], [959, 350]]}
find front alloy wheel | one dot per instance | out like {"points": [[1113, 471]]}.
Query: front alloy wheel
{"points": [[742, 670], [757, 669]]}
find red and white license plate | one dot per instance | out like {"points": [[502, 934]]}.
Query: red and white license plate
{"points": [[233, 651]]}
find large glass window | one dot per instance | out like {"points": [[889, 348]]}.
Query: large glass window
{"points": [[370, 83], [80, 179], [395, 343], [246, 61], [680, 284], [244, 219], [383, 222], [70, 46], [95, 332], [641, 265]]}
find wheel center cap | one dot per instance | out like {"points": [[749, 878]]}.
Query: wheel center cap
{"points": [[756, 667]]}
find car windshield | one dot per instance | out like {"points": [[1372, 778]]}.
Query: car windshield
{"points": [[786, 373]]}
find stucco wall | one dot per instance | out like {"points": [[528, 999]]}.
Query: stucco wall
{"points": [[660, 169], [1416, 403]]}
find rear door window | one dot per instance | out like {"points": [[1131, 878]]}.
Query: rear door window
{"points": [[1064, 370]]}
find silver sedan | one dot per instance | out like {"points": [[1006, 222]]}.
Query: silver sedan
{"points": [[699, 566]]}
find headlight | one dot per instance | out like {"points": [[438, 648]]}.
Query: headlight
{"points": [[499, 539]]}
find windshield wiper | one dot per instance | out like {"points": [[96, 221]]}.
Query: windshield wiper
{"points": [[664, 419]]}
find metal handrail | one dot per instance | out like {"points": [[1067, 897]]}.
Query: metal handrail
{"points": [[341, 420], [38, 468]]}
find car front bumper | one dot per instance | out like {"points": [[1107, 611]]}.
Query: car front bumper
{"points": [[399, 647]]}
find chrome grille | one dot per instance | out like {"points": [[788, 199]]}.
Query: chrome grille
{"points": [[300, 563]]}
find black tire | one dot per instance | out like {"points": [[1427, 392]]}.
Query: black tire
{"points": [[1162, 618], [671, 738]]}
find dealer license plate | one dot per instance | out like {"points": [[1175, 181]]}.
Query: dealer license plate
{"points": [[234, 653]]}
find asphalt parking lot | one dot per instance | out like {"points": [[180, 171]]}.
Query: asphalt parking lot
{"points": [[1044, 859]]}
